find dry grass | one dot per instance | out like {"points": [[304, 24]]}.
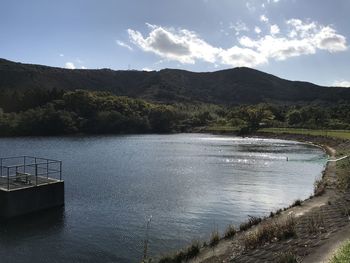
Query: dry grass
{"points": [[319, 187], [315, 223], [345, 210], [270, 231], [214, 238], [230, 232], [286, 257], [252, 221]]}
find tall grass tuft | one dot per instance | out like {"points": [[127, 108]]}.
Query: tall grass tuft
{"points": [[214, 238], [183, 255], [319, 187], [286, 257], [230, 231], [297, 203], [252, 221], [315, 223], [270, 231]]}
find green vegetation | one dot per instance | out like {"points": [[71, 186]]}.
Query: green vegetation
{"points": [[57, 112], [342, 134], [224, 87], [87, 112], [343, 173], [183, 255], [342, 255]]}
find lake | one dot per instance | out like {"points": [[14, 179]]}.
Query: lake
{"points": [[189, 184]]}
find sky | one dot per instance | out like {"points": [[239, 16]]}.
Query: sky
{"points": [[304, 40]]}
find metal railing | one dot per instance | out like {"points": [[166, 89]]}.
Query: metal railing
{"points": [[21, 170]]}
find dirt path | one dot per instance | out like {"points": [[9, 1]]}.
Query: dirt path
{"points": [[324, 253], [311, 245]]}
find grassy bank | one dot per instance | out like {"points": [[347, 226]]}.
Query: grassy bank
{"points": [[342, 255], [225, 129], [341, 134]]}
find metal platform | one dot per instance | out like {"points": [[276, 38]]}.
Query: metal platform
{"points": [[28, 171], [29, 184]]}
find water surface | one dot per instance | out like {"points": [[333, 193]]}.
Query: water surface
{"points": [[189, 184]]}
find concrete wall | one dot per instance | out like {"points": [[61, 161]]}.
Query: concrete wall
{"points": [[28, 200]]}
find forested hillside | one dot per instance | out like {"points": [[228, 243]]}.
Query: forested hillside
{"points": [[226, 87]]}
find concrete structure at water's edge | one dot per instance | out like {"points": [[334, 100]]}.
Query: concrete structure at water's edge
{"points": [[29, 184]]}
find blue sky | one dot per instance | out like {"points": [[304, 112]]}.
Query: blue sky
{"points": [[294, 39]]}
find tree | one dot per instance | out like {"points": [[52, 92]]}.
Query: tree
{"points": [[255, 116]]}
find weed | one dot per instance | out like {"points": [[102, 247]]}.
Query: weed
{"points": [[183, 255], [252, 221], [315, 223], [345, 210], [319, 187], [342, 255], [270, 231], [230, 231], [286, 257], [214, 238], [297, 203]]}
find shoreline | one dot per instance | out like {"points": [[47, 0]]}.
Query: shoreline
{"points": [[228, 249]]}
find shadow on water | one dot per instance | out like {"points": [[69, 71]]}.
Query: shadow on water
{"points": [[46, 231], [35, 224]]}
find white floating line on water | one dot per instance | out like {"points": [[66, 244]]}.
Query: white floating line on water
{"points": [[335, 160]]}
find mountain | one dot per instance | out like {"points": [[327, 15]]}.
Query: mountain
{"points": [[232, 86]]}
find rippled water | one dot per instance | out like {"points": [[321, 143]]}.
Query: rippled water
{"points": [[189, 183]]}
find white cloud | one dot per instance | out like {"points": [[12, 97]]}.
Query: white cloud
{"points": [[250, 6], [184, 46], [239, 57], [181, 45], [274, 29], [61, 55], [147, 69], [123, 44], [69, 65], [257, 30], [328, 39], [263, 18], [239, 26], [82, 67], [341, 83]]}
